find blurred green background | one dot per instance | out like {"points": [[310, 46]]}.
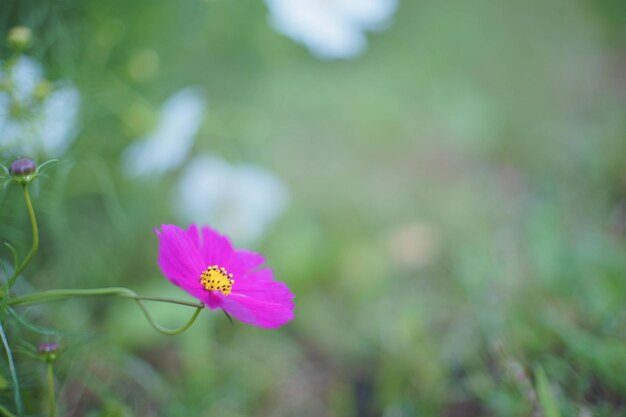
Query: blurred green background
{"points": [[456, 216]]}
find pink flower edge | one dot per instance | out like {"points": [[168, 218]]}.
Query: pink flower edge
{"points": [[256, 298]]}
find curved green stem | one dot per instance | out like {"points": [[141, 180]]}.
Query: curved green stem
{"points": [[53, 295], [16, 385], [52, 399], [165, 330], [35, 246]]}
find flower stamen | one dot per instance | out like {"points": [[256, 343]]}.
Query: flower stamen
{"points": [[216, 278]]}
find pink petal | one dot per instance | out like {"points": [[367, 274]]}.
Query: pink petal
{"points": [[216, 249], [244, 261], [179, 257], [259, 300], [194, 235]]}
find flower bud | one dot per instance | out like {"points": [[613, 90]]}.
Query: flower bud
{"points": [[22, 167], [20, 38], [49, 351]]}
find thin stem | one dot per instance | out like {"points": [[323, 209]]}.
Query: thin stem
{"points": [[53, 295], [16, 385], [165, 330], [31, 327], [35, 246], [6, 412], [53, 403]]}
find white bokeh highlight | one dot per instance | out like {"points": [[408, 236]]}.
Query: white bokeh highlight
{"points": [[167, 146], [40, 129], [238, 200], [331, 29]]}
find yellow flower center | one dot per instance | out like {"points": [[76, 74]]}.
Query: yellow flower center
{"points": [[216, 278]]}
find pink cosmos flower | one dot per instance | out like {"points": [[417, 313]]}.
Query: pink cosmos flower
{"points": [[204, 263]]}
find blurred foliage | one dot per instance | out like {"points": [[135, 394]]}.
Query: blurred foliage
{"points": [[458, 213]]}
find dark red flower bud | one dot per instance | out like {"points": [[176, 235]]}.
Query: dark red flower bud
{"points": [[48, 347], [48, 351], [22, 166]]}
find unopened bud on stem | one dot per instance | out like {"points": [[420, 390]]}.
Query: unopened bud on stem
{"points": [[23, 170], [20, 38], [22, 167], [48, 350]]}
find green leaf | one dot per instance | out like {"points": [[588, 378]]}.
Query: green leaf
{"points": [[547, 401]]}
